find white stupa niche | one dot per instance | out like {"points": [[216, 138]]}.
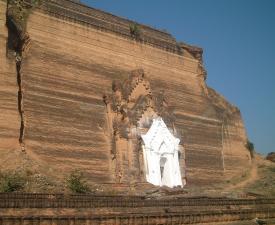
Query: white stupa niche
{"points": [[160, 154], [135, 113]]}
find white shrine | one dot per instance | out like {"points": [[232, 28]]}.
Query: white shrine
{"points": [[161, 156]]}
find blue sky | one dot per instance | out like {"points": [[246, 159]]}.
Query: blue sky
{"points": [[238, 38]]}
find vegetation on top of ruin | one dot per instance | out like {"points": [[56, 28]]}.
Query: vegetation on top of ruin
{"points": [[18, 12], [135, 30]]}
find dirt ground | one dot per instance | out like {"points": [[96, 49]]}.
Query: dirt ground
{"points": [[259, 180]]}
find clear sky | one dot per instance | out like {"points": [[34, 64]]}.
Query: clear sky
{"points": [[238, 38]]}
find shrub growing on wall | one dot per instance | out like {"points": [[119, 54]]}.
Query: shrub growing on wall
{"points": [[135, 31]]}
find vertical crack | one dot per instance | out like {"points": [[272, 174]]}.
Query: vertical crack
{"points": [[18, 44], [20, 102]]}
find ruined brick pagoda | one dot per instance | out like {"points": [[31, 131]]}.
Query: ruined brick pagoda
{"points": [[79, 87]]}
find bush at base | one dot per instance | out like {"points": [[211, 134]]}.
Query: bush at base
{"points": [[76, 182], [11, 182]]}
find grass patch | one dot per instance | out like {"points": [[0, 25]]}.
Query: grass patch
{"points": [[266, 183]]}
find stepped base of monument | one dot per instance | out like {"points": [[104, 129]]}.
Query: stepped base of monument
{"points": [[59, 209]]}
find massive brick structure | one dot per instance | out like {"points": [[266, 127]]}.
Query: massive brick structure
{"points": [[59, 60]]}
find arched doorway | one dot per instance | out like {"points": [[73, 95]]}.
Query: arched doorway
{"points": [[162, 163]]}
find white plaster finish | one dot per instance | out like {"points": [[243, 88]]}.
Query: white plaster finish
{"points": [[161, 149]]}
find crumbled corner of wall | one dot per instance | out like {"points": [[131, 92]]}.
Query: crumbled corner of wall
{"points": [[223, 107], [196, 53]]}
